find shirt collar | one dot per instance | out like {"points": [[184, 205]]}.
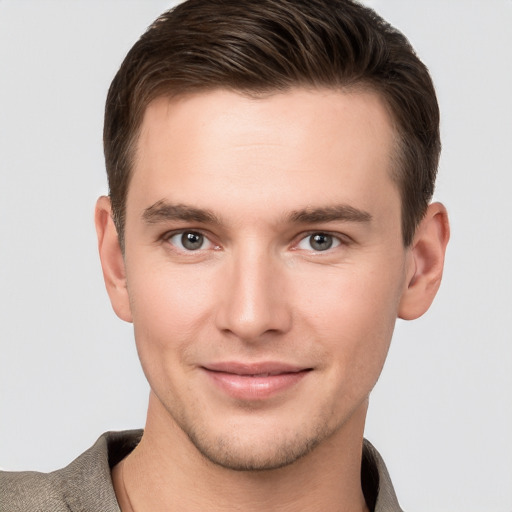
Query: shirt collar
{"points": [[90, 473]]}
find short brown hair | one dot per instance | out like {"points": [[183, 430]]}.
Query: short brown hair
{"points": [[265, 46]]}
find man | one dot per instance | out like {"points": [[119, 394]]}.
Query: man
{"points": [[270, 168]]}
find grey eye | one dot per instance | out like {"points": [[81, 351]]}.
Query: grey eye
{"points": [[189, 241], [320, 241], [192, 241]]}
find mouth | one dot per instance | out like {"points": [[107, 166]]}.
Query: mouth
{"points": [[254, 381]]}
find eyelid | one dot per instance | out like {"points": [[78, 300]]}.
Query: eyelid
{"points": [[342, 239], [168, 235]]}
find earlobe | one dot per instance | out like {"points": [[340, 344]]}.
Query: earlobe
{"points": [[425, 267], [112, 261]]}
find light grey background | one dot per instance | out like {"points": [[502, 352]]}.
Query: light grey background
{"points": [[441, 414]]}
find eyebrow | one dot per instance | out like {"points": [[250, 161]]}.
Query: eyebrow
{"points": [[164, 211], [340, 212]]}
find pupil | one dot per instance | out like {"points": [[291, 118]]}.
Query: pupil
{"points": [[321, 242], [192, 241]]}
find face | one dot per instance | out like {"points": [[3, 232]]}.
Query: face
{"points": [[264, 267]]}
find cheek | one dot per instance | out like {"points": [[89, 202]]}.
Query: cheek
{"points": [[353, 314], [169, 310], [363, 297], [163, 298]]}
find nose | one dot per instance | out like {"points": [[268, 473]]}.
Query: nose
{"points": [[253, 303]]}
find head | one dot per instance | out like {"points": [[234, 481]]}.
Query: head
{"points": [[268, 46], [270, 166]]}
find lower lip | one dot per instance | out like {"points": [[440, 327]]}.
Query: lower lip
{"points": [[247, 387]]}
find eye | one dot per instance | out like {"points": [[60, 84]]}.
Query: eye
{"points": [[190, 241], [319, 242]]}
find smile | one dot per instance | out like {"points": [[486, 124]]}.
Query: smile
{"points": [[250, 382]]}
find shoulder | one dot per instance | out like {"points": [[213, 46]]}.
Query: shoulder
{"points": [[85, 484], [29, 491], [376, 482]]}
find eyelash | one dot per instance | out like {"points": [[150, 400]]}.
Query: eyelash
{"points": [[169, 236], [337, 240]]}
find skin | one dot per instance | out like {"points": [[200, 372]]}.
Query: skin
{"points": [[251, 180]]}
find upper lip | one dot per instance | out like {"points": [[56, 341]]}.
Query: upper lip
{"points": [[260, 368]]}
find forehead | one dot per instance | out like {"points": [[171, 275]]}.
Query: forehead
{"points": [[300, 145]]}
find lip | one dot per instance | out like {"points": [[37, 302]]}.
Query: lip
{"points": [[254, 381]]}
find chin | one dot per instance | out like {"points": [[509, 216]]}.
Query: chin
{"points": [[255, 453]]}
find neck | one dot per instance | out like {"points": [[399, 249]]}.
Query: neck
{"points": [[166, 472]]}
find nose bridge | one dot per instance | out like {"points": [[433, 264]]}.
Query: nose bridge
{"points": [[253, 301]]}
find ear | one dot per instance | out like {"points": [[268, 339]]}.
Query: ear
{"points": [[426, 262], [112, 260]]}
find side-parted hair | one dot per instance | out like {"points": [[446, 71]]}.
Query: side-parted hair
{"points": [[260, 47]]}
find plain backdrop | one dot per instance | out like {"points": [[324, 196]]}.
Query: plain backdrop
{"points": [[441, 414]]}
